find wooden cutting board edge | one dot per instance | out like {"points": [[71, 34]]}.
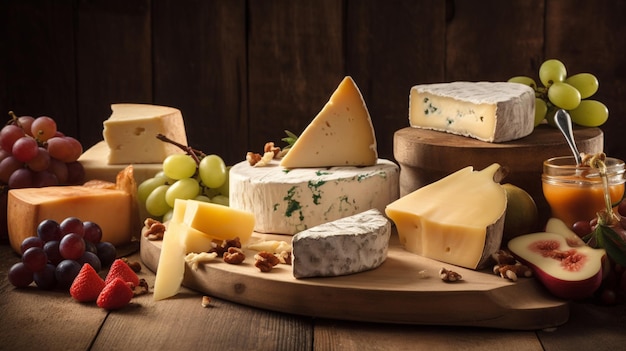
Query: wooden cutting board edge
{"points": [[392, 293]]}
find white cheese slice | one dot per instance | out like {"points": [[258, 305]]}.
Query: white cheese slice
{"points": [[131, 130], [488, 111], [340, 135], [345, 246], [289, 201]]}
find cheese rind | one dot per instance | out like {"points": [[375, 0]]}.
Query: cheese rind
{"points": [[131, 130], [340, 135], [289, 201], [110, 209], [488, 111], [349, 245], [94, 161], [458, 219]]}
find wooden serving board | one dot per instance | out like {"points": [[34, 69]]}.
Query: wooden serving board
{"points": [[395, 292]]}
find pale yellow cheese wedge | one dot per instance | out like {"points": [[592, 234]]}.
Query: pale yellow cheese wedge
{"points": [[458, 219], [131, 130], [171, 266], [340, 135]]}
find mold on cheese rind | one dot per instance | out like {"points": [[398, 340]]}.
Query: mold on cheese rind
{"points": [[349, 245], [487, 111], [289, 202]]}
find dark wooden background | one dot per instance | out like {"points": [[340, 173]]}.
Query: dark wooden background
{"points": [[242, 71]]}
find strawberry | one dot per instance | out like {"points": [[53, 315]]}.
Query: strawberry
{"points": [[115, 295], [87, 285], [121, 269]]}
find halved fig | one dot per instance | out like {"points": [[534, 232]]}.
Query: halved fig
{"points": [[568, 272]]}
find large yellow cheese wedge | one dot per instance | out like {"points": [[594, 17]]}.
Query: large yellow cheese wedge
{"points": [[340, 135], [131, 130], [458, 219], [111, 209]]}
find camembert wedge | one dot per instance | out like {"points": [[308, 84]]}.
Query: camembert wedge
{"points": [[458, 219], [341, 134]]}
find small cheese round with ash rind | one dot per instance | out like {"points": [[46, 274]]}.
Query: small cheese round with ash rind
{"points": [[288, 201], [349, 245]]}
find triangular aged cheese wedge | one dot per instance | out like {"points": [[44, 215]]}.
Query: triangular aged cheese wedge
{"points": [[340, 135]]}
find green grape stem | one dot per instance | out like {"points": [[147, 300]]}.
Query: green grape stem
{"points": [[196, 154]]}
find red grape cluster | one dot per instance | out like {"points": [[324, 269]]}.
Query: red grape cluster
{"points": [[613, 288], [33, 153], [53, 258]]}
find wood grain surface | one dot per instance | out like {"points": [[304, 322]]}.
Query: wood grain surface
{"points": [[395, 292]]}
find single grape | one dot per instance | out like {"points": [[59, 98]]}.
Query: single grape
{"points": [[168, 215], [147, 186], [41, 161], [49, 230], [106, 253], [52, 251], [92, 232], [184, 189], [72, 225], [524, 80], [8, 135], [21, 178], [65, 273], [202, 198], [44, 178], [156, 205], [31, 241], [552, 71], [26, 122], [621, 208], [35, 259], [179, 166], [65, 149], [75, 173], [586, 83], [46, 279], [92, 259], [20, 276], [60, 170], [7, 166], [25, 149], [541, 109], [43, 128], [564, 96], [72, 246], [220, 200], [581, 228], [590, 113], [212, 171]]}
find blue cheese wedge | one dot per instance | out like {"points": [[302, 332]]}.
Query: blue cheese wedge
{"points": [[349, 245], [288, 201], [488, 111]]}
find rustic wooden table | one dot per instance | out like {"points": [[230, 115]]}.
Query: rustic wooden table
{"points": [[31, 319]]}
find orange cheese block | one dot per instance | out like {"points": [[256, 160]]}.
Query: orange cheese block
{"points": [[111, 209]]}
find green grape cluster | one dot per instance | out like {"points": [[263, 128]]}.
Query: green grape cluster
{"points": [[184, 177], [571, 93]]}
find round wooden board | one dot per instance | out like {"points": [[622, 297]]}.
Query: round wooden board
{"points": [[395, 292]]}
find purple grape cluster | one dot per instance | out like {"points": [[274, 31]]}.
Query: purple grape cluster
{"points": [[53, 258]]}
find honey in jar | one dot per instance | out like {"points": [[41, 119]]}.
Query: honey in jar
{"points": [[576, 192]]}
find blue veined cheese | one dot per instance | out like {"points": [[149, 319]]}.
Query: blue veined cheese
{"points": [[348, 245], [287, 201], [487, 111]]}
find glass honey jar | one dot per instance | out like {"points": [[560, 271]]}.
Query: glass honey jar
{"points": [[576, 192]]}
